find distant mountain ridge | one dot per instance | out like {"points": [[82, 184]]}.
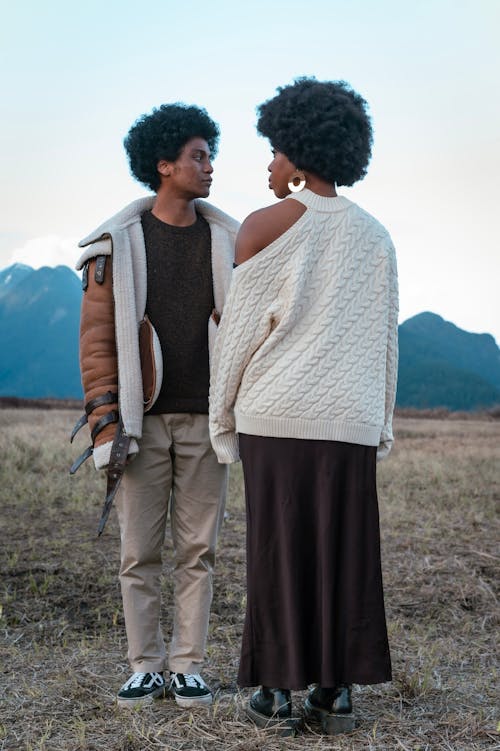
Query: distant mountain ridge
{"points": [[39, 324], [11, 276], [440, 365]]}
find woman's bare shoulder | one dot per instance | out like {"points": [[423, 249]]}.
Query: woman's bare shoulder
{"points": [[263, 226]]}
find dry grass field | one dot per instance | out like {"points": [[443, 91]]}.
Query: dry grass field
{"points": [[62, 638]]}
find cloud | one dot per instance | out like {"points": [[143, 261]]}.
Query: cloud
{"points": [[50, 250]]}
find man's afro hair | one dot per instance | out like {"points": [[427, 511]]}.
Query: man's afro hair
{"points": [[162, 134]]}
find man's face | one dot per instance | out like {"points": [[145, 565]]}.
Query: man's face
{"points": [[190, 176]]}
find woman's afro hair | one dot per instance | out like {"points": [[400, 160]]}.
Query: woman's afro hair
{"points": [[322, 127], [162, 135]]}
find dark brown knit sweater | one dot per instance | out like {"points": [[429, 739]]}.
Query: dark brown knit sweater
{"points": [[179, 304]]}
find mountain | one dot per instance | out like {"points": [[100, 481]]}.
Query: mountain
{"points": [[39, 323], [11, 276], [440, 365]]}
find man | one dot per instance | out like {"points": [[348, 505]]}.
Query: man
{"points": [[165, 260]]}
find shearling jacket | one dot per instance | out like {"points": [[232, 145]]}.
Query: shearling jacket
{"points": [[113, 306]]}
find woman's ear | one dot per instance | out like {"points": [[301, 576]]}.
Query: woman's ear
{"points": [[164, 168]]}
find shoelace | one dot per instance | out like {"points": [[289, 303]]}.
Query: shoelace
{"points": [[192, 680], [137, 679]]}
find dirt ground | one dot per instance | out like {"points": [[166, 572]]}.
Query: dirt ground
{"points": [[62, 643]]}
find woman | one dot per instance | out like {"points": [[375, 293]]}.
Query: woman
{"points": [[304, 382]]}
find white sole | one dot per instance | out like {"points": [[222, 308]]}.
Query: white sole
{"points": [[196, 701], [141, 701]]}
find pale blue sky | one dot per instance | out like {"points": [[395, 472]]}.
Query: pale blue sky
{"points": [[75, 75]]}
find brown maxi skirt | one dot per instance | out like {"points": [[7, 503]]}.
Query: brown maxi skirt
{"points": [[315, 602]]}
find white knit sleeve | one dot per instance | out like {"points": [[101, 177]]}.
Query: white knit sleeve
{"points": [[391, 373], [244, 326]]}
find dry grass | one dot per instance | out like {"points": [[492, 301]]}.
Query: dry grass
{"points": [[62, 638]]}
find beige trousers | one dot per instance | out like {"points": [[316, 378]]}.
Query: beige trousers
{"points": [[176, 467]]}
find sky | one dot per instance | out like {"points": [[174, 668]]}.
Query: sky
{"points": [[75, 76]]}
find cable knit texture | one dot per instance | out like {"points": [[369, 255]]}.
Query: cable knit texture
{"points": [[307, 345]]}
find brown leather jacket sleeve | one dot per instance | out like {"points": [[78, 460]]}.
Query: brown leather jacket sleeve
{"points": [[98, 358]]}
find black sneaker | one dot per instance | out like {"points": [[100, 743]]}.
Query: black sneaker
{"points": [[141, 688], [189, 690]]}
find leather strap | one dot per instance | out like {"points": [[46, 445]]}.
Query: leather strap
{"points": [[116, 468], [80, 423], [85, 277], [106, 419], [100, 265], [82, 458], [108, 398]]}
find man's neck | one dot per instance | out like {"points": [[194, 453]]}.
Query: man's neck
{"points": [[177, 211]]}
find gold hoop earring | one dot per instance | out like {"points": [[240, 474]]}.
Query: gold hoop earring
{"points": [[297, 181]]}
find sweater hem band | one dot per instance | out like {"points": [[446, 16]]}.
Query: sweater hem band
{"points": [[320, 430]]}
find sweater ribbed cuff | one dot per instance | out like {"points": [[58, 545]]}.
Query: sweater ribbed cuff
{"points": [[384, 449], [226, 447]]}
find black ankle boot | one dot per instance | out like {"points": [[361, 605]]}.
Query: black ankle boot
{"points": [[342, 701], [271, 708], [337, 700], [272, 702], [332, 707]]}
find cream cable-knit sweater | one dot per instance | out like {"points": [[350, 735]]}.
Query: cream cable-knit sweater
{"points": [[122, 237], [307, 346]]}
